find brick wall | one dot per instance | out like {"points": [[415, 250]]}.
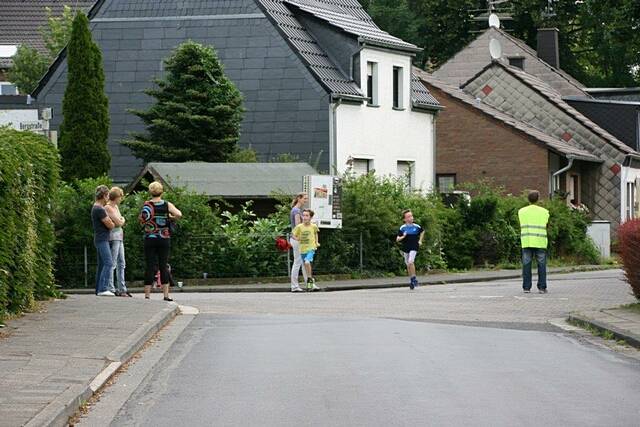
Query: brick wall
{"points": [[474, 146]]}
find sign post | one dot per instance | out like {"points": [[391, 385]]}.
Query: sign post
{"points": [[325, 199]]}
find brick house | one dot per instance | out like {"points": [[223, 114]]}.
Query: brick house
{"points": [[476, 140], [320, 80]]}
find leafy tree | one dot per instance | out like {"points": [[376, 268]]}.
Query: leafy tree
{"points": [[58, 31], [197, 113], [29, 65], [85, 108]]}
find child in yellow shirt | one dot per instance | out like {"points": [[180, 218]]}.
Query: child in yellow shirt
{"points": [[307, 234]]}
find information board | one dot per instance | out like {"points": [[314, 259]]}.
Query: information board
{"points": [[325, 197]]}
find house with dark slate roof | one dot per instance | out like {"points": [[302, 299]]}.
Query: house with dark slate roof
{"points": [[320, 80]]}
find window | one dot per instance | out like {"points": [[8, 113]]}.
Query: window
{"points": [[406, 170], [517, 61], [573, 189], [8, 89], [446, 182], [361, 166], [372, 83], [397, 87], [630, 212]]}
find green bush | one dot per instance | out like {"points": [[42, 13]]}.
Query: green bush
{"points": [[29, 170]]}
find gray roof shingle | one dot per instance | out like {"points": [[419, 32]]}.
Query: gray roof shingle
{"points": [[239, 180], [554, 144], [554, 97]]}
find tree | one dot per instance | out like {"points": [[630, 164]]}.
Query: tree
{"points": [[29, 65], [197, 113], [27, 69], [85, 108]]}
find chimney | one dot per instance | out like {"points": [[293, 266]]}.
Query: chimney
{"points": [[548, 47]]}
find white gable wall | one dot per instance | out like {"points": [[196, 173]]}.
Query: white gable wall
{"points": [[382, 134]]}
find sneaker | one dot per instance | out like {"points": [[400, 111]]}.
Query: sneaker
{"points": [[309, 284], [128, 294], [527, 291], [106, 294], [542, 291], [415, 281], [411, 284], [168, 299], [314, 288], [297, 289]]}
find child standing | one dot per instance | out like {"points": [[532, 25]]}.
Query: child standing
{"points": [[307, 234], [411, 236]]}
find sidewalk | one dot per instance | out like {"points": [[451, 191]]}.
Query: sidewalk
{"points": [[52, 361], [375, 283], [622, 323]]}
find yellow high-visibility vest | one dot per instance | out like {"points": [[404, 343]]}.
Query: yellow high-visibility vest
{"points": [[533, 226]]}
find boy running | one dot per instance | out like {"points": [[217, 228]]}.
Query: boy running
{"points": [[411, 236], [307, 234]]}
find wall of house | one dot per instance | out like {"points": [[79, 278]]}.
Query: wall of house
{"points": [[473, 146], [383, 134], [286, 108]]}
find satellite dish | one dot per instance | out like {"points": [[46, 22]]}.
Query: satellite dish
{"points": [[494, 21], [495, 49]]}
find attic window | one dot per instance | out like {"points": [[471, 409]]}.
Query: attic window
{"points": [[517, 61], [372, 83]]}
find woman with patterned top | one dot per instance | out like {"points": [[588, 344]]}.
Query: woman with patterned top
{"points": [[155, 217]]}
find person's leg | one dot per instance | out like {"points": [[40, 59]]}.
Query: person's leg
{"points": [[527, 259], [98, 268], [297, 264], [121, 265], [113, 247], [541, 259], [150, 261], [163, 260], [107, 265]]}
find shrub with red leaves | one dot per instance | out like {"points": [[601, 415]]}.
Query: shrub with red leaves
{"points": [[629, 246]]}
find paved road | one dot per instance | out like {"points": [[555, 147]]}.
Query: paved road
{"points": [[498, 302], [374, 358]]}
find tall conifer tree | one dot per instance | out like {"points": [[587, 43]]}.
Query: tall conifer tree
{"points": [[85, 108]]}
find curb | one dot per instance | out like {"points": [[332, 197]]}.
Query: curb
{"points": [[57, 413], [399, 282], [620, 334]]}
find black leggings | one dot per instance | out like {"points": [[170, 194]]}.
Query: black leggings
{"points": [[156, 255]]}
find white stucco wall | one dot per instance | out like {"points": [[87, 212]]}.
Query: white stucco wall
{"points": [[382, 134]]}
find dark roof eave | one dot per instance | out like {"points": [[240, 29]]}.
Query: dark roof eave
{"points": [[577, 157], [348, 98], [427, 107]]}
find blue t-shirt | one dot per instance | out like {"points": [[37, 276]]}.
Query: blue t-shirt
{"points": [[413, 231], [100, 231]]}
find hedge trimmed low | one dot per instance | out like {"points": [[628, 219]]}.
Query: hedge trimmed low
{"points": [[29, 174]]}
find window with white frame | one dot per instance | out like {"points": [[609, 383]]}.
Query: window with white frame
{"points": [[573, 189], [361, 166], [631, 201], [406, 171], [397, 87], [372, 83]]}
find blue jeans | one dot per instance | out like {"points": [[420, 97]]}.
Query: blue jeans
{"points": [[117, 256], [105, 266], [527, 260]]}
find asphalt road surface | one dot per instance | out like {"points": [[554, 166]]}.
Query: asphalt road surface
{"points": [[455, 355]]}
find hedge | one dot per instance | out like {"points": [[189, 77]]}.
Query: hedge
{"points": [[209, 240], [29, 173]]}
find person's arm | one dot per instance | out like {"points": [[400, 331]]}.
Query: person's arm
{"points": [[114, 215], [317, 231], [421, 238], [297, 219], [401, 235], [295, 233], [174, 212], [107, 221]]}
